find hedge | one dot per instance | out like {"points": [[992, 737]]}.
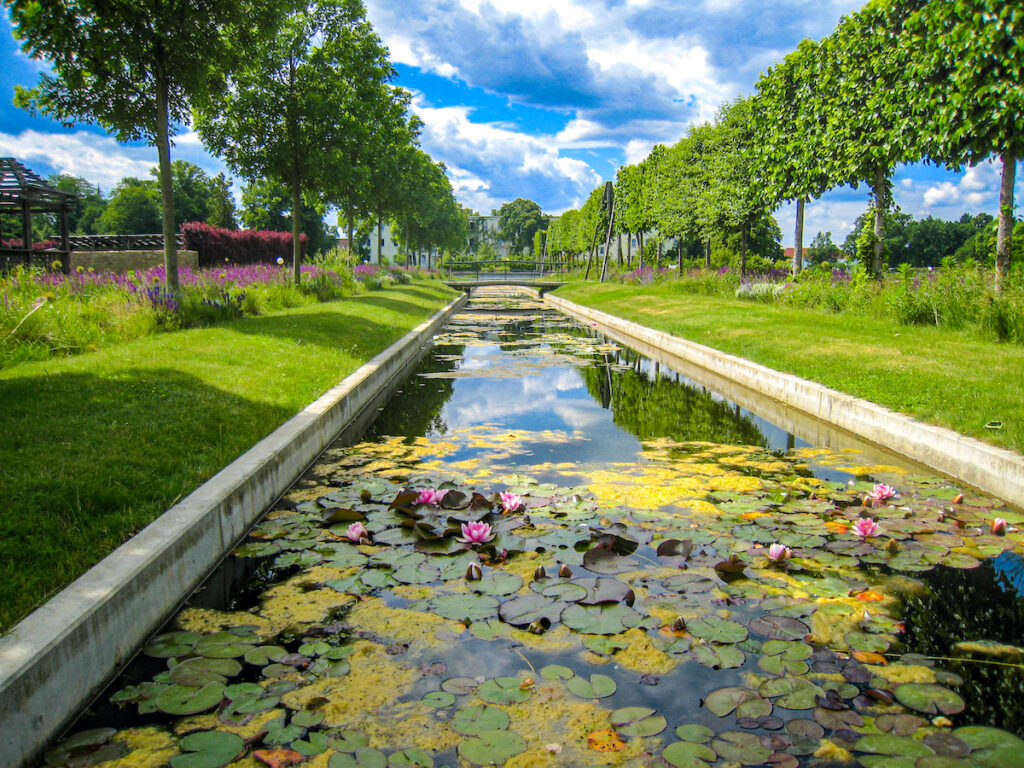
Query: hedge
{"points": [[244, 246]]}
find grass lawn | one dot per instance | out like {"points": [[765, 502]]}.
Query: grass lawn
{"points": [[949, 378], [92, 448]]}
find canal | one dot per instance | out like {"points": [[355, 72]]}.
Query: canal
{"points": [[550, 551]]}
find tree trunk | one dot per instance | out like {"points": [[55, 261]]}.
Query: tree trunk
{"points": [[593, 246], [380, 241], [296, 230], [707, 253], [1004, 235], [881, 205], [163, 151], [743, 251], [659, 253], [798, 243], [618, 248], [679, 255], [629, 249], [640, 247], [351, 227], [608, 245]]}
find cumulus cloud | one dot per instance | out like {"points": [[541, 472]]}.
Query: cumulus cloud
{"points": [[100, 159], [492, 163], [978, 184]]}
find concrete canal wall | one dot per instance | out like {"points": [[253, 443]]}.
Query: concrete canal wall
{"points": [[60, 657], [986, 467]]}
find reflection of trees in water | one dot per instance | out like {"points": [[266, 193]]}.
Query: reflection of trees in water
{"points": [[977, 604], [658, 407], [416, 409]]}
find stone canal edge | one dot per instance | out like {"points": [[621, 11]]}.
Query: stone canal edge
{"points": [[986, 467], [55, 661]]}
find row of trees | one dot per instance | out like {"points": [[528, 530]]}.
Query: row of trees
{"points": [[294, 96], [898, 81]]}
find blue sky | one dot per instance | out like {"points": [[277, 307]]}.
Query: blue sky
{"points": [[545, 99]]}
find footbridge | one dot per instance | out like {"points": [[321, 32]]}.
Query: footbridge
{"points": [[465, 276]]}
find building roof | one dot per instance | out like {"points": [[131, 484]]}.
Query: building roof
{"points": [[19, 185]]}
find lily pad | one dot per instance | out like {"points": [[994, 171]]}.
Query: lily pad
{"points": [[197, 672], [411, 758], [685, 754], [498, 583], [556, 672], [503, 690], [492, 747], [792, 692], [743, 748], [477, 718], [597, 687], [600, 619], [439, 699], [601, 590], [637, 721], [208, 749], [464, 607], [692, 732], [222, 645], [887, 744], [523, 610], [718, 656], [189, 700], [460, 686], [717, 630], [171, 644], [363, 757], [779, 627], [929, 698]]}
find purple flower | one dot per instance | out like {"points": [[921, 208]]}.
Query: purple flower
{"points": [[476, 533], [777, 553]]}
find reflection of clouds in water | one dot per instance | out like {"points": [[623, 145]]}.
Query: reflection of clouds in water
{"points": [[487, 399]]}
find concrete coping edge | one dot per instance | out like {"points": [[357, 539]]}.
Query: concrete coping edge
{"points": [[62, 654], [987, 467]]}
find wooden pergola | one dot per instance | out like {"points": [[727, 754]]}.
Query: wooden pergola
{"points": [[23, 192]]}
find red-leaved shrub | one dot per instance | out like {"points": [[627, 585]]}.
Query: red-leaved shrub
{"points": [[244, 246]]}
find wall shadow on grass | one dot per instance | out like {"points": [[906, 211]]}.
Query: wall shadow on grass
{"points": [[336, 330], [86, 461]]}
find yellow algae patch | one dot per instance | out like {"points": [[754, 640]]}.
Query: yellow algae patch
{"points": [[701, 506], [641, 655], [399, 624], [903, 673], [409, 725], [550, 717], [872, 469], [206, 620], [375, 681], [412, 591], [147, 748], [561, 638], [211, 722], [290, 605], [736, 483], [829, 751]]}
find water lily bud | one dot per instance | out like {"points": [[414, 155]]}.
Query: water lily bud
{"points": [[679, 625], [526, 684], [941, 722], [537, 627], [999, 527], [893, 546], [867, 502], [565, 571], [365, 495], [540, 573], [554, 749], [473, 572], [958, 499]]}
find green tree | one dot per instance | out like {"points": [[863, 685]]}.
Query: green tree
{"points": [[135, 67], [221, 209], [134, 209], [517, 222], [968, 65], [192, 190], [85, 209], [268, 205], [287, 111], [823, 248]]}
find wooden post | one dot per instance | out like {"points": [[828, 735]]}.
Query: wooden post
{"points": [[65, 244], [798, 243], [608, 245], [26, 232], [590, 253]]}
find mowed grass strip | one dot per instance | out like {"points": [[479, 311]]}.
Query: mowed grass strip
{"points": [[93, 448], [948, 378]]}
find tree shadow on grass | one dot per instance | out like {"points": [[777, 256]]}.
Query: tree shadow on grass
{"points": [[395, 305], [86, 461], [329, 330]]}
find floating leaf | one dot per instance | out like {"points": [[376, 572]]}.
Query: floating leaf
{"points": [[685, 754], [459, 685], [523, 610], [502, 690], [886, 744], [600, 619], [601, 590], [171, 644], [411, 758], [198, 672], [723, 701], [603, 644], [718, 656], [208, 749], [793, 692], [556, 672], [605, 740], [743, 748], [222, 645], [492, 747], [637, 721], [698, 734], [278, 758], [477, 718], [362, 757], [929, 698], [464, 607], [597, 687], [439, 699], [863, 641], [717, 630], [189, 700], [779, 627]]}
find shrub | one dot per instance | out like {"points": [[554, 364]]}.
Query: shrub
{"points": [[217, 246]]}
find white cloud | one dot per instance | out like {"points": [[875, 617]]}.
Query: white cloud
{"points": [[977, 184], [100, 159]]}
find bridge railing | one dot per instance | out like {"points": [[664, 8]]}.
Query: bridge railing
{"points": [[518, 268]]}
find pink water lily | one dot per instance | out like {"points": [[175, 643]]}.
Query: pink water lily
{"points": [[476, 533], [510, 502], [999, 527], [865, 527], [430, 496], [357, 532], [882, 492], [778, 552]]}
